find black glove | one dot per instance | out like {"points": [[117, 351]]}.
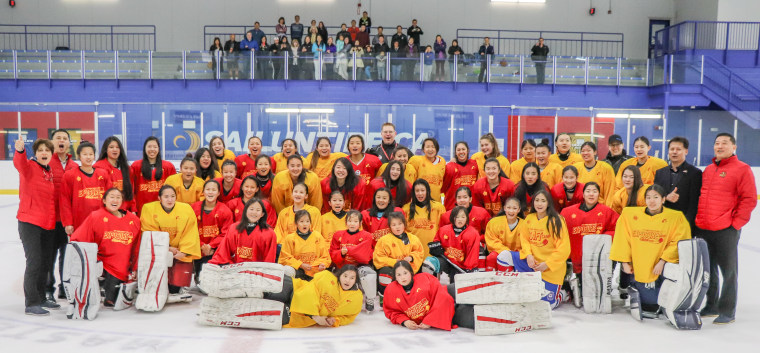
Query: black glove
{"points": [[435, 248]]}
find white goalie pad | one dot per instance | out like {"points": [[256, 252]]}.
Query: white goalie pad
{"points": [[127, 294], [498, 287], [368, 279], [242, 280], [152, 271], [502, 319], [80, 280], [597, 274], [241, 312], [685, 284]]}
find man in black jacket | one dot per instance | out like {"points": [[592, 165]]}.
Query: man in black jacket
{"points": [[231, 50], [384, 150], [400, 37], [617, 154], [485, 50], [539, 52], [414, 31], [681, 180], [296, 29]]}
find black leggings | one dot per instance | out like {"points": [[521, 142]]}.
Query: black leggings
{"points": [[464, 314], [285, 296], [111, 286], [60, 240]]}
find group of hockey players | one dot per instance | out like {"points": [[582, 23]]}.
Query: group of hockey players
{"points": [[477, 242]]}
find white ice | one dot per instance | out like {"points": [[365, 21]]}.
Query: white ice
{"points": [[175, 328]]}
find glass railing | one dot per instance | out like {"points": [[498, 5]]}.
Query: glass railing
{"points": [[349, 66]]}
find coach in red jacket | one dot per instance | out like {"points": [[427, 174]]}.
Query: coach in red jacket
{"points": [[727, 199]]}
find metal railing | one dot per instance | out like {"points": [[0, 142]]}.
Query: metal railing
{"points": [[77, 37], [738, 96], [707, 35], [519, 42]]}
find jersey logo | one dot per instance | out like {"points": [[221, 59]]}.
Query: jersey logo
{"points": [[105, 219], [243, 164], [79, 179], [722, 174]]}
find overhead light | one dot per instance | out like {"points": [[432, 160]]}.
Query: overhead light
{"points": [[524, 1], [304, 110], [613, 116], [646, 116], [318, 110], [632, 116], [105, 116], [281, 110]]}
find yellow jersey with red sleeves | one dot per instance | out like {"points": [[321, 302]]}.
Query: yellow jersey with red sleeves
{"points": [[643, 240], [189, 195], [228, 156], [390, 249], [571, 159], [433, 173], [323, 296], [282, 190], [536, 240], [552, 174], [410, 174], [286, 221], [314, 250], [180, 223], [324, 166], [425, 224], [619, 199], [499, 237], [602, 174], [480, 158], [647, 170], [330, 224]]}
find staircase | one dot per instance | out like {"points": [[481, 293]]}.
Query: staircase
{"points": [[735, 90]]}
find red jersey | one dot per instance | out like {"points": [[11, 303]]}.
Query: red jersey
{"points": [[598, 220], [118, 240], [358, 246], [147, 190], [367, 168], [378, 227], [227, 195], [247, 166], [479, 218], [36, 192], [378, 183], [456, 176], [492, 199], [236, 206], [212, 226], [237, 247], [117, 181], [81, 194], [355, 198], [428, 302], [462, 250], [58, 170], [560, 196]]}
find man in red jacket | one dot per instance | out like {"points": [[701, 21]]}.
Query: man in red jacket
{"points": [[726, 202]]}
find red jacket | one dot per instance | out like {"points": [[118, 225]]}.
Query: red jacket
{"points": [[378, 227], [728, 195], [147, 190], [118, 240], [456, 176], [462, 250], [356, 198], [117, 181], [81, 194], [491, 200], [247, 166], [428, 302], [212, 226], [378, 183], [237, 247], [560, 196], [598, 220], [367, 167], [236, 206], [226, 196], [359, 246], [36, 193], [58, 171]]}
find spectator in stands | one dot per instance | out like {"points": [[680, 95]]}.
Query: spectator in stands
{"points": [[257, 32], [328, 58], [318, 48], [428, 61], [281, 30], [322, 31], [263, 60], [356, 59], [343, 33], [295, 65], [400, 37], [440, 57], [380, 51], [343, 54], [455, 52], [307, 70], [485, 51], [353, 30], [246, 46], [365, 21], [296, 29], [397, 60], [412, 53], [216, 49], [362, 37], [231, 50], [414, 32], [378, 35], [313, 32], [617, 154], [284, 52], [538, 54]]}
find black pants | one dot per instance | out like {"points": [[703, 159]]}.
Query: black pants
{"points": [[722, 245], [111, 286], [483, 69], [285, 297], [439, 69], [448, 268], [198, 265], [464, 314], [38, 249], [59, 241], [540, 72]]}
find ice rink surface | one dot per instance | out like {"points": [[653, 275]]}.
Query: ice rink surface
{"points": [[175, 328]]}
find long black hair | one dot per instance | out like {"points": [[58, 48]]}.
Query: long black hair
{"points": [[351, 179], [122, 163], [315, 155], [269, 176], [373, 211], [212, 168], [554, 224], [346, 268], [262, 222], [523, 190], [455, 212], [498, 166], [211, 142], [404, 264], [145, 167], [301, 177], [503, 211], [399, 184], [257, 195], [637, 184], [425, 203]]}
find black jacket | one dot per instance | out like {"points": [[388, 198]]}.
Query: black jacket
{"points": [[400, 38], [486, 51], [383, 154], [688, 180], [616, 161], [235, 45], [415, 32], [539, 53]]}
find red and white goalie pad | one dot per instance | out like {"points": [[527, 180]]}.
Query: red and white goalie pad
{"points": [[242, 280], [152, 271], [502, 319], [498, 287], [597, 273], [80, 280], [241, 312]]}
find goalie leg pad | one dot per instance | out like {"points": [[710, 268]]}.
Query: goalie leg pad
{"points": [[597, 274], [685, 285], [152, 271], [501, 319], [80, 280], [498, 287], [242, 312], [242, 280], [368, 279]]}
